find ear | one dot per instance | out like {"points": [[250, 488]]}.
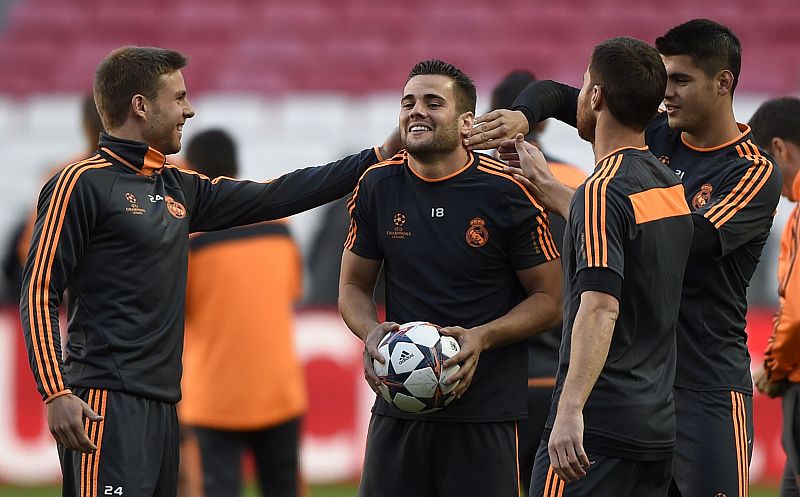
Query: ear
{"points": [[597, 97], [725, 82], [139, 106], [466, 122], [778, 149]]}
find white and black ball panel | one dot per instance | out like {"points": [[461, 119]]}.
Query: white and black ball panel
{"points": [[413, 378]]}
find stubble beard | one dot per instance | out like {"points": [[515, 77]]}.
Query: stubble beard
{"points": [[443, 141]]}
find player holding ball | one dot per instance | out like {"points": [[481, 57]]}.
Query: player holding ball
{"points": [[466, 247]]}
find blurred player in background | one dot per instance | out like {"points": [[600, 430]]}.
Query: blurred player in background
{"points": [[611, 429], [543, 348], [776, 129], [114, 230], [240, 294], [473, 254], [17, 251], [732, 189]]}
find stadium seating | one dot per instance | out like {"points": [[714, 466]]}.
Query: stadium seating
{"points": [[356, 46]]}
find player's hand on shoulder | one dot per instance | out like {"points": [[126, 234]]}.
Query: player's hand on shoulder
{"points": [[494, 127], [567, 456], [392, 144], [371, 352], [65, 416], [471, 345]]}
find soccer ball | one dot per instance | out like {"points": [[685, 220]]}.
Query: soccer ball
{"points": [[413, 379]]}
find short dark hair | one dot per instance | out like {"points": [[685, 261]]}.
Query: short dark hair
{"points": [[633, 79], [128, 71], [509, 88], [776, 118], [712, 46], [213, 152], [466, 95]]}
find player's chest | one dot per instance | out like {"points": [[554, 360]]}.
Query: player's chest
{"points": [[701, 178], [146, 213], [457, 225]]}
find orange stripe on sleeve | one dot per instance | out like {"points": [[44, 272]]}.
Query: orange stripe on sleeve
{"points": [[749, 196], [545, 237], [42, 290], [351, 202], [659, 203], [595, 211], [748, 186], [44, 351]]}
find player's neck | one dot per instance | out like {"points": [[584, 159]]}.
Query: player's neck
{"points": [[438, 166], [611, 135], [128, 132], [720, 128]]}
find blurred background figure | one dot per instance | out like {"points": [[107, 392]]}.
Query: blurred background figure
{"points": [[776, 128], [543, 348], [17, 246], [243, 385]]}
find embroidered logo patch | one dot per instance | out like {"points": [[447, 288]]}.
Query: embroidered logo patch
{"points": [[702, 197], [175, 208], [477, 234], [134, 207], [399, 232]]}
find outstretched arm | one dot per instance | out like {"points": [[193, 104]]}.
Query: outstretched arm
{"points": [[540, 100]]}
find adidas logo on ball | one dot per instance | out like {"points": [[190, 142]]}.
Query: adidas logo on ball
{"points": [[404, 356], [413, 378]]}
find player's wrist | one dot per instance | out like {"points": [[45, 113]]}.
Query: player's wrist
{"points": [[570, 407]]}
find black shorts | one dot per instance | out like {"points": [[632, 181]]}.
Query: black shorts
{"points": [[530, 430], [442, 459], [714, 443], [790, 484], [137, 448], [606, 477]]}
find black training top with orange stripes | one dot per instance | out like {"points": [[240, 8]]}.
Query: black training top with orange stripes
{"points": [[451, 248], [736, 188], [113, 230], [628, 235], [733, 190]]}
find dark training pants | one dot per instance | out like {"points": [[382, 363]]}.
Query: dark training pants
{"points": [[137, 448], [276, 454]]}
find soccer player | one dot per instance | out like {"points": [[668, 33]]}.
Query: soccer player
{"points": [[542, 348], [776, 128], [464, 246], [732, 189], [241, 289], [611, 429], [114, 230]]}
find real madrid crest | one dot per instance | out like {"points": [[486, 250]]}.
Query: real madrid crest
{"points": [[175, 208], [477, 234], [702, 197]]}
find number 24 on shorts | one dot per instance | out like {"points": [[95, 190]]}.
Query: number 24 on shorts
{"points": [[111, 490]]}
